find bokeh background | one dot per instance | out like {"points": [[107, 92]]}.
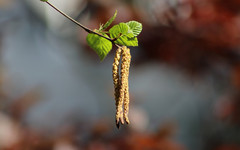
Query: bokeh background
{"points": [[55, 94]]}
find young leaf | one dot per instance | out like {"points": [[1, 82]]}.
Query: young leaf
{"points": [[121, 28], [135, 26], [123, 34], [100, 45], [108, 23]]}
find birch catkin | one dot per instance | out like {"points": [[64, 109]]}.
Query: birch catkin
{"points": [[123, 80], [126, 92], [116, 82], [121, 90]]}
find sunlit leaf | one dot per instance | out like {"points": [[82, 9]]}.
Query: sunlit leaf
{"points": [[135, 26], [123, 34], [100, 45]]}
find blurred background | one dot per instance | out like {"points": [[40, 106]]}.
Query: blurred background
{"points": [[55, 94]]}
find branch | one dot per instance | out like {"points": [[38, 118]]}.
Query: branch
{"points": [[79, 24]]}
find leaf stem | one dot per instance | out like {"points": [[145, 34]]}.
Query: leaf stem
{"points": [[79, 24]]}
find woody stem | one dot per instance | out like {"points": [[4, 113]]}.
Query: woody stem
{"points": [[79, 24]]}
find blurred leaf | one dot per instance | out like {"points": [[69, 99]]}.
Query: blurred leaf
{"points": [[100, 45], [135, 26], [108, 23]]}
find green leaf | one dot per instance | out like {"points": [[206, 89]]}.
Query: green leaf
{"points": [[123, 34], [121, 28], [100, 45], [109, 22], [44, 0], [135, 26]]}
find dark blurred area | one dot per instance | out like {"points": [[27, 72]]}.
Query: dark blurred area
{"points": [[55, 94]]}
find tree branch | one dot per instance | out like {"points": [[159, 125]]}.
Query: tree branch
{"points": [[79, 24]]}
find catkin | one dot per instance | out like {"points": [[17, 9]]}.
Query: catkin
{"points": [[116, 82], [126, 92], [123, 79], [121, 90]]}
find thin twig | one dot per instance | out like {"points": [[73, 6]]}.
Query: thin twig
{"points": [[79, 24]]}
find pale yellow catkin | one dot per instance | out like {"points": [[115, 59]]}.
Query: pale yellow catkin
{"points": [[124, 76], [126, 92], [116, 82], [121, 89]]}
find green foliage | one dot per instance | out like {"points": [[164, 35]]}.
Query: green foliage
{"points": [[100, 45], [135, 26], [44, 0], [124, 34], [109, 22]]}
